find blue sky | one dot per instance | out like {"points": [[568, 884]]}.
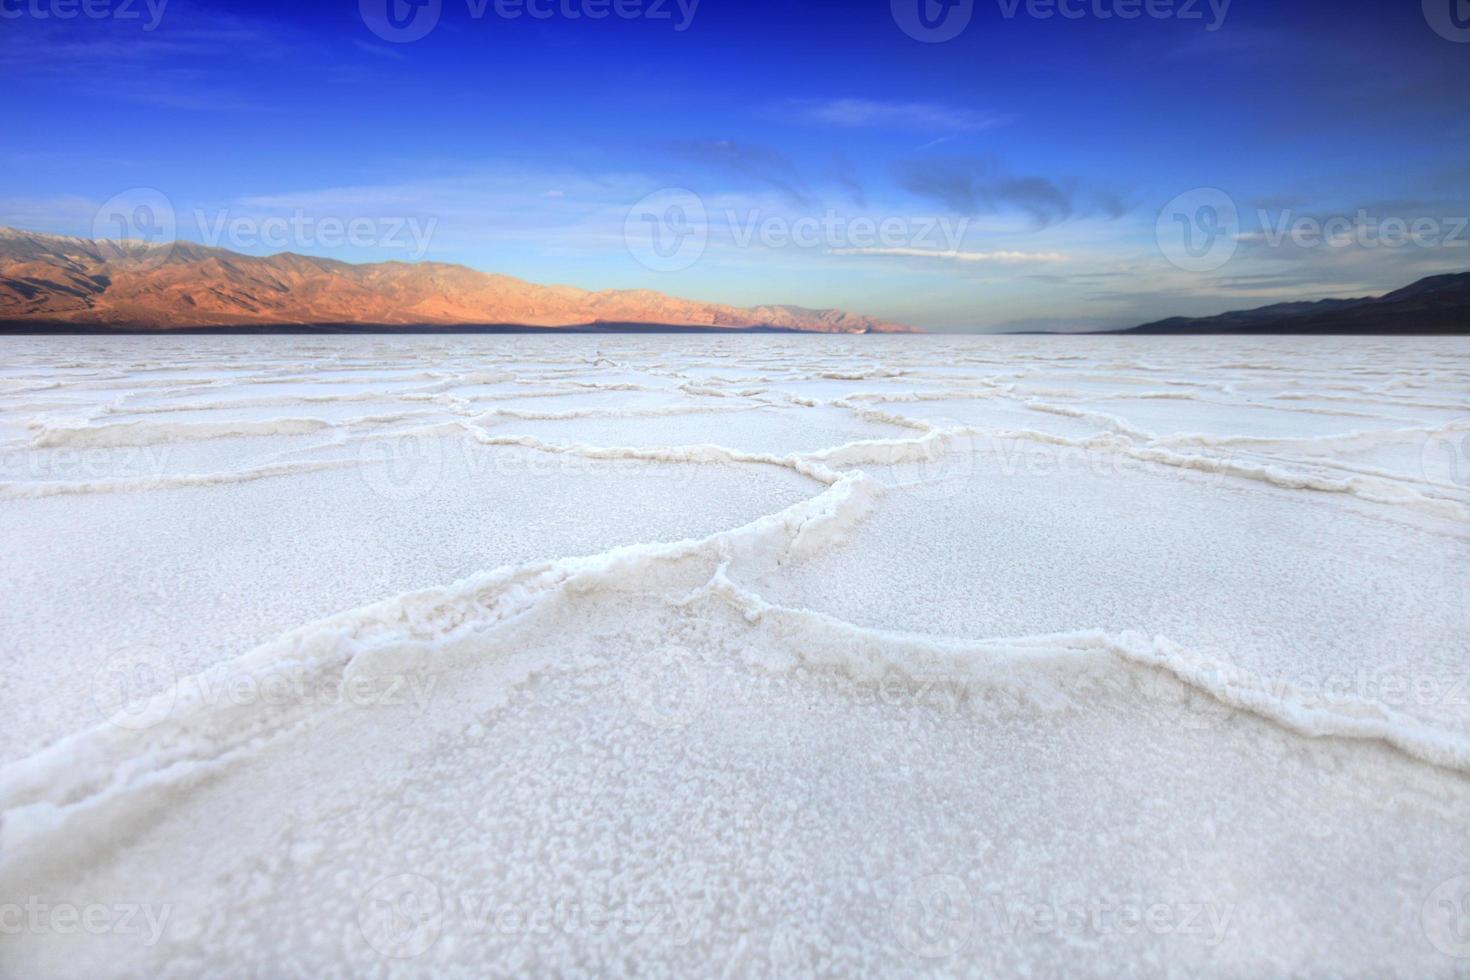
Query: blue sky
{"points": [[1017, 170]]}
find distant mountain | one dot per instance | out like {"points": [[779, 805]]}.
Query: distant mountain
{"points": [[50, 281], [1437, 305]]}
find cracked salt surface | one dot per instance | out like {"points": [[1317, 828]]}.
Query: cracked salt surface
{"points": [[808, 679]]}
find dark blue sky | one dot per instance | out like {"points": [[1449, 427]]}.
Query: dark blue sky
{"points": [[1014, 173]]}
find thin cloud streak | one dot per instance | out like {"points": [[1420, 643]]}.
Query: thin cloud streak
{"points": [[872, 113], [1002, 257]]}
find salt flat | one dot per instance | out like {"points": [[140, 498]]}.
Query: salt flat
{"points": [[746, 655]]}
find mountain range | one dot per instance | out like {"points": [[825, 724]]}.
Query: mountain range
{"points": [[1437, 305], [54, 281]]}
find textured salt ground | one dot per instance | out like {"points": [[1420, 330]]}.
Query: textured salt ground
{"points": [[716, 825], [993, 412], [1169, 417], [189, 577], [629, 742], [314, 382], [333, 411], [1405, 456], [13, 428], [1432, 410], [1304, 588], [20, 463], [599, 372], [1110, 384], [827, 389], [537, 402], [777, 430], [94, 393]]}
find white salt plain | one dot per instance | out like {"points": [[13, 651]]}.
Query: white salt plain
{"points": [[738, 656]]}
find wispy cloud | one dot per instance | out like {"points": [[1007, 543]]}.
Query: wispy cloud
{"points": [[377, 50], [875, 114], [758, 164], [1002, 258], [71, 214], [173, 67], [969, 186], [841, 172]]}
